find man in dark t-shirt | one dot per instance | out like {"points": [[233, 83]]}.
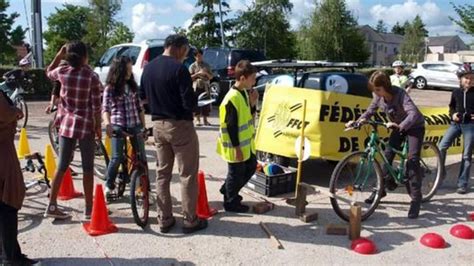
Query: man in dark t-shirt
{"points": [[167, 86]]}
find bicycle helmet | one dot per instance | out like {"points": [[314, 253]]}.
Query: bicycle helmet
{"points": [[464, 70], [24, 62], [398, 63]]}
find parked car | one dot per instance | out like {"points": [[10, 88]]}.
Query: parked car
{"points": [[140, 53], [340, 78], [436, 74], [222, 62]]}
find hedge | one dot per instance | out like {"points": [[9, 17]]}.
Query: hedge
{"points": [[39, 89]]}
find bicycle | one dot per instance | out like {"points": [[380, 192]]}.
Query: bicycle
{"points": [[16, 95], [134, 170], [33, 167], [359, 174], [101, 159]]}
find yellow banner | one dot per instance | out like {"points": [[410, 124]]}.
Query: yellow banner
{"points": [[326, 113]]}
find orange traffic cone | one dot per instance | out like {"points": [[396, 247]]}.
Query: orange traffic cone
{"points": [[203, 210], [100, 223], [67, 191]]}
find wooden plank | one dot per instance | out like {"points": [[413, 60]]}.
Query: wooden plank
{"points": [[272, 237], [336, 229], [354, 222]]}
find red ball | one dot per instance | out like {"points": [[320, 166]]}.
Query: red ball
{"points": [[462, 231], [433, 240], [363, 246]]}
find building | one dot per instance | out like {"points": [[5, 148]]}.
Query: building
{"points": [[384, 47], [446, 44]]}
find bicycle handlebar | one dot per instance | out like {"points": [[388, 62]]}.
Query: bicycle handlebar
{"points": [[373, 123]]}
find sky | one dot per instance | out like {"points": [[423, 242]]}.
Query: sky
{"points": [[156, 18]]}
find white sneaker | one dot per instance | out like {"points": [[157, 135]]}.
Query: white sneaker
{"points": [[110, 194]]}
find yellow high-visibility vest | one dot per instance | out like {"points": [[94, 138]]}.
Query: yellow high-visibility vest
{"points": [[245, 126], [399, 81]]}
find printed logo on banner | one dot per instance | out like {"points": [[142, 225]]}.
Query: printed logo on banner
{"points": [[281, 118]]}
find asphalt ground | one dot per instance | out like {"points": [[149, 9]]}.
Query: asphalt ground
{"points": [[237, 239]]}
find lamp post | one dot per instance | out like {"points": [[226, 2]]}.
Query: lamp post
{"points": [[222, 24]]}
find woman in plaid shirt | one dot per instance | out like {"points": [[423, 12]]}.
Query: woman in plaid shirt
{"points": [[122, 112], [78, 119]]}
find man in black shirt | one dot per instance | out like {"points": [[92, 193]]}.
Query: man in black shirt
{"points": [[461, 110], [167, 86]]}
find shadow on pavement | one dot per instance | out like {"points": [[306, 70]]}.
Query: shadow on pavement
{"points": [[112, 261]]}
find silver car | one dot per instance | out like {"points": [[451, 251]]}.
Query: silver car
{"points": [[436, 74]]}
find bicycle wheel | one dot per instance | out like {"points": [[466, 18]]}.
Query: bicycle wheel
{"points": [[140, 197], [53, 136], [21, 104], [432, 170], [353, 181], [101, 160]]}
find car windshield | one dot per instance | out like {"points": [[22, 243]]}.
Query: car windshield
{"points": [[252, 56], [216, 58], [130, 51]]}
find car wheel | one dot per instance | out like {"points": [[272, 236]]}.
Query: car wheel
{"points": [[420, 83]]}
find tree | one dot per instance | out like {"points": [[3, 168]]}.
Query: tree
{"points": [[466, 17], [398, 29], [334, 34], [8, 36], [204, 30], [381, 26], [413, 47], [264, 26], [66, 24], [120, 34], [420, 26], [180, 30], [101, 25]]}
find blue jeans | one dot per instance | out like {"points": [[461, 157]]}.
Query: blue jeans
{"points": [[118, 142], [455, 130]]}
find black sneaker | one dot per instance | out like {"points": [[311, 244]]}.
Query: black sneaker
{"points": [[372, 196], [390, 184], [414, 209], [202, 224], [166, 229], [239, 208], [461, 190], [223, 192]]}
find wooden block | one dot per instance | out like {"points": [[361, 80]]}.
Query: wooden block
{"points": [[336, 229], [354, 222], [301, 200], [309, 217], [262, 207]]}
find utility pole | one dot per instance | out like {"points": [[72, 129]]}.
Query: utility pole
{"points": [[37, 45], [222, 24]]}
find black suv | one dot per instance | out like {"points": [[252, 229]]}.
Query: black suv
{"points": [[222, 62]]}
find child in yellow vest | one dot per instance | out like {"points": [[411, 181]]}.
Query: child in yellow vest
{"points": [[236, 135]]}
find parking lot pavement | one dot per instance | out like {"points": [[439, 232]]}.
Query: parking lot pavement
{"points": [[234, 239]]}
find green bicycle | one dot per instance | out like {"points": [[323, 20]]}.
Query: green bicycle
{"points": [[360, 173]]}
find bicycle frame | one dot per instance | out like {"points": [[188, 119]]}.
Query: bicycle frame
{"points": [[374, 149]]}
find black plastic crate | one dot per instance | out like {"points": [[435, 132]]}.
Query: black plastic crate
{"points": [[273, 185]]}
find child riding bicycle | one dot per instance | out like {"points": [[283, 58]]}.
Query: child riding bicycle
{"points": [[407, 121], [122, 112]]}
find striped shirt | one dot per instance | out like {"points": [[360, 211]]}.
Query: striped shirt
{"points": [[79, 100], [124, 110]]}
